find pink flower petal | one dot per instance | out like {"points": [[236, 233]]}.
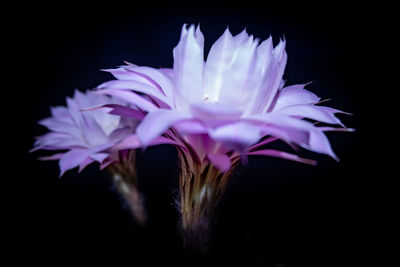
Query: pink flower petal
{"points": [[221, 161], [106, 163], [241, 77], [119, 110], [332, 129], [263, 143], [311, 112], [157, 78], [99, 157], [238, 136], [241, 37], [52, 157], [135, 86], [94, 134], [190, 127], [295, 95], [130, 142], [56, 125], [72, 159], [264, 54], [316, 140], [85, 163], [216, 66], [214, 111], [188, 67], [274, 74], [282, 154], [157, 122], [130, 97], [57, 141]]}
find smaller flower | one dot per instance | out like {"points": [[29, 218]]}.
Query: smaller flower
{"points": [[87, 130], [84, 135]]}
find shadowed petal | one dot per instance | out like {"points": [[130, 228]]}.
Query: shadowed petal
{"points": [[119, 110], [316, 140], [122, 74], [99, 157], [294, 95], [55, 125], [158, 78], [263, 143], [130, 97], [57, 141], [221, 161], [157, 122], [332, 129], [106, 163], [282, 154], [190, 127], [135, 86], [214, 111], [130, 142], [133, 142], [52, 157], [311, 112], [85, 163], [72, 159], [237, 136]]}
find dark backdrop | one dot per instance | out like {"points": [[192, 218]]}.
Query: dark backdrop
{"points": [[274, 213]]}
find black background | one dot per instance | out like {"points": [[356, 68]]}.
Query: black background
{"points": [[274, 213]]}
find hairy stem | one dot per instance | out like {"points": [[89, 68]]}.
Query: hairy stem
{"points": [[201, 188], [124, 176]]}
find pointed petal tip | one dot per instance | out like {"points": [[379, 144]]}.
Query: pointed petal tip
{"points": [[335, 158], [61, 174], [81, 169], [310, 82], [227, 33], [106, 70], [188, 29], [129, 63], [198, 30]]}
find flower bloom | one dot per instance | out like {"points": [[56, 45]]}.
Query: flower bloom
{"points": [[224, 106], [219, 111], [216, 111], [86, 136]]}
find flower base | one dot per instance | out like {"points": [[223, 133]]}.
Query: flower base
{"points": [[201, 188]]}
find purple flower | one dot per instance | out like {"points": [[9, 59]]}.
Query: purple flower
{"points": [[219, 111], [224, 106], [82, 135]]}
